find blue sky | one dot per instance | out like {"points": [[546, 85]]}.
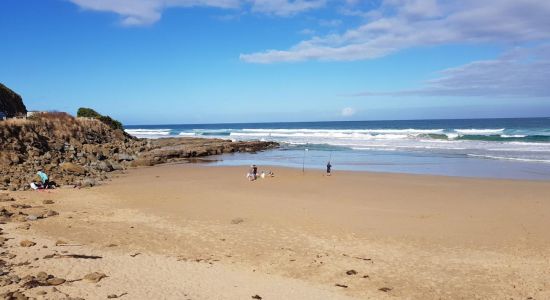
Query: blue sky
{"points": [[210, 61]]}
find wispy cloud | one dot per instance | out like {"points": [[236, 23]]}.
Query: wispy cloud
{"points": [[285, 7], [146, 12], [518, 73], [330, 23], [348, 112], [307, 31], [401, 24]]}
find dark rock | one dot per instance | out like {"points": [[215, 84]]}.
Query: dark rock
{"points": [[351, 272], [125, 157], [11, 103]]}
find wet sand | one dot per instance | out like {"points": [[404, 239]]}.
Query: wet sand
{"points": [[200, 232]]}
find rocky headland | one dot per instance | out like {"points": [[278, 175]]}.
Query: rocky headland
{"points": [[83, 152]]}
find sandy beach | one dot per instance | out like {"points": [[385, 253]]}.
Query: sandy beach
{"points": [[199, 232]]}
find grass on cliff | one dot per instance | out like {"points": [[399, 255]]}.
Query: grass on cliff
{"points": [[56, 125]]}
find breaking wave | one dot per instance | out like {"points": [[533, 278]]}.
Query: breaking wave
{"points": [[491, 143]]}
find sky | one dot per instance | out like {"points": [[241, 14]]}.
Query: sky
{"points": [[223, 61]]}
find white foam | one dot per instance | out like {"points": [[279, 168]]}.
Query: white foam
{"points": [[186, 134], [510, 158], [513, 135], [479, 131], [343, 131], [148, 131], [389, 139], [452, 136]]}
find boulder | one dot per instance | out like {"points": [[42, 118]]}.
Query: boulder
{"points": [[88, 182], [117, 167], [73, 168], [27, 243], [143, 162], [125, 157], [105, 166]]}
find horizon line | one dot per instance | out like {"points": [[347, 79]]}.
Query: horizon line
{"points": [[333, 121]]}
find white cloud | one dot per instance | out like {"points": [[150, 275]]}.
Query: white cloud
{"points": [[145, 12], [522, 72], [285, 7], [307, 31], [401, 24], [348, 112]]}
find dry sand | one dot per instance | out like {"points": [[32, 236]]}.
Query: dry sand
{"points": [[200, 232]]}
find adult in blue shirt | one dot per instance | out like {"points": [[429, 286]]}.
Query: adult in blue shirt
{"points": [[44, 179]]}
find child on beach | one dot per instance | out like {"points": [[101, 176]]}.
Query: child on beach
{"points": [[329, 167], [252, 173]]}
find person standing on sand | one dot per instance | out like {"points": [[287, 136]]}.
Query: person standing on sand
{"points": [[329, 167], [255, 171]]}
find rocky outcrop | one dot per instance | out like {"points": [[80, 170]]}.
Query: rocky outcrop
{"points": [[67, 149], [84, 152], [11, 103], [175, 149]]}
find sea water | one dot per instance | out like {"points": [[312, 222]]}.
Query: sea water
{"points": [[516, 148]]}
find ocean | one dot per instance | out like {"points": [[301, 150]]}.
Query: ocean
{"points": [[517, 148]]}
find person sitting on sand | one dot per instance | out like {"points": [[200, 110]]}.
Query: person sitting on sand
{"points": [[44, 180], [329, 167]]}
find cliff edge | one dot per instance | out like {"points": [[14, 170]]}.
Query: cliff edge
{"points": [[11, 103]]}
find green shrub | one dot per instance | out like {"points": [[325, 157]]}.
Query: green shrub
{"points": [[111, 122], [84, 112]]}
